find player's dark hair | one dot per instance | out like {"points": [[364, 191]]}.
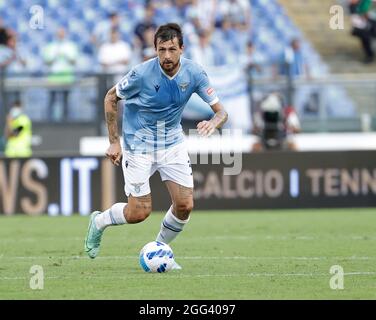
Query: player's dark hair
{"points": [[168, 32]]}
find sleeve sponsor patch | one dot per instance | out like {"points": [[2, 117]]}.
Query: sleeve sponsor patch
{"points": [[124, 83]]}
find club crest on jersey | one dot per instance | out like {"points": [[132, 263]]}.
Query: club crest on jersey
{"points": [[184, 86], [137, 187]]}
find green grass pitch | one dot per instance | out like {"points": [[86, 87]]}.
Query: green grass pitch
{"points": [[282, 254]]}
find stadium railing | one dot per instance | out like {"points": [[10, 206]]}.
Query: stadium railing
{"points": [[333, 103]]}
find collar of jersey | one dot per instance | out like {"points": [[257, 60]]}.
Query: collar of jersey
{"points": [[174, 76]]}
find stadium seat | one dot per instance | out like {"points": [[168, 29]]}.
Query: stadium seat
{"points": [[271, 31]]}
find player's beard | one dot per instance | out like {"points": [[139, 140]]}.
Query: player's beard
{"points": [[171, 67]]}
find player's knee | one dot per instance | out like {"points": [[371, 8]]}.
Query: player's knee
{"points": [[137, 214], [184, 208], [137, 217]]}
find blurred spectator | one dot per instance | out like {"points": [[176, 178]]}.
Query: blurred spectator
{"points": [[11, 61], [251, 63], [18, 63], [181, 6], [18, 133], [205, 11], [275, 125], [148, 22], [191, 27], [102, 31], [166, 10], [6, 54], [229, 37], [115, 55], [4, 33], [148, 51], [237, 11], [293, 62], [16, 66], [252, 60], [203, 53], [363, 26], [61, 56]]}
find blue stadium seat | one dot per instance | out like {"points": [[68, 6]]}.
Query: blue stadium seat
{"points": [[271, 31]]}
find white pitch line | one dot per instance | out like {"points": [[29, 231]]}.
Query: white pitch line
{"points": [[25, 278], [177, 276], [190, 258], [224, 238]]}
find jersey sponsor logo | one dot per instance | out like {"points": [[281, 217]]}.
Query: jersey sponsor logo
{"points": [[184, 86], [156, 88], [133, 74], [137, 187], [210, 91]]}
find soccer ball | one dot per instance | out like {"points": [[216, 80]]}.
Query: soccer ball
{"points": [[156, 256]]}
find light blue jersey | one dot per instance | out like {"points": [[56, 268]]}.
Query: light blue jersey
{"points": [[154, 103]]}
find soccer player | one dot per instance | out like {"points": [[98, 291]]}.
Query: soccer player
{"points": [[155, 93]]}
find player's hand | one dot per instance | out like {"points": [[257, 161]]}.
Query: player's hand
{"points": [[114, 153], [205, 128]]}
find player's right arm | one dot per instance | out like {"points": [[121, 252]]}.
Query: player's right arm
{"points": [[111, 114], [127, 88]]}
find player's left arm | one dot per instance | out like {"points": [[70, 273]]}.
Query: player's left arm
{"points": [[207, 128]]}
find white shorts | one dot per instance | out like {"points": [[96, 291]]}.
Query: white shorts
{"points": [[172, 163]]}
